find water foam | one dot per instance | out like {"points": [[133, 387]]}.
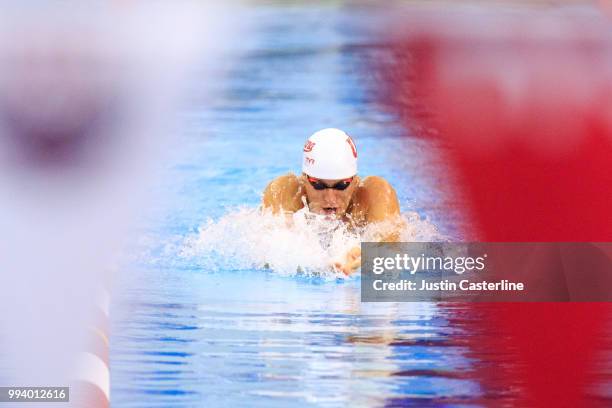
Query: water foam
{"points": [[298, 243]]}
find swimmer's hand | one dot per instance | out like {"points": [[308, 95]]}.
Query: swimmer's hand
{"points": [[350, 263]]}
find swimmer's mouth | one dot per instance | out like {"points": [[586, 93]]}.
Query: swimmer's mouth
{"points": [[330, 210]]}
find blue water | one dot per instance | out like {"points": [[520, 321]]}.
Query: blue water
{"points": [[203, 330]]}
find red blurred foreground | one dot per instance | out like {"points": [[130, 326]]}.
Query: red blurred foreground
{"points": [[523, 100]]}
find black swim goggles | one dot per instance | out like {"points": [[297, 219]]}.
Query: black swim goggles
{"points": [[317, 184]]}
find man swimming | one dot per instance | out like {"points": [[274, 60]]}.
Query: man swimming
{"points": [[329, 186]]}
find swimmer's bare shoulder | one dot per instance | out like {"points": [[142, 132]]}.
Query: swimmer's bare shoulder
{"points": [[283, 194], [375, 201]]}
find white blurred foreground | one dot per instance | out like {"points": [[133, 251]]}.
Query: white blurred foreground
{"points": [[86, 97]]}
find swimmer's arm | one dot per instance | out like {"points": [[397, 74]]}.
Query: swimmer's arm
{"points": [[283, 194], [380, 201]]}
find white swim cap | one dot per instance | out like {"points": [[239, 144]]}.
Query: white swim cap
{"points": [[330, 154]]}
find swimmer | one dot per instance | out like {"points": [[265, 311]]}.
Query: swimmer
{"points": [[329, 186]]}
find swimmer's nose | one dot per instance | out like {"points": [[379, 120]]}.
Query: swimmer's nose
{"points": [[331, 196]]}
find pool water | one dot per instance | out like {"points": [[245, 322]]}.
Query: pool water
{"points": [[197, 320]]}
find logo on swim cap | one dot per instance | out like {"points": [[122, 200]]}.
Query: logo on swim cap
{"points": [[330, 154], [308, 146], [352, 144]]}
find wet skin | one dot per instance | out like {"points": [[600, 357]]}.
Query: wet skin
{"points": [[363, 202]]}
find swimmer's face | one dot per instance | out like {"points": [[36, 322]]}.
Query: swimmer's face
{"points": [[329, 201]]}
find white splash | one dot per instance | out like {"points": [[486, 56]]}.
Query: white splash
{"points": [[298, 243]]}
